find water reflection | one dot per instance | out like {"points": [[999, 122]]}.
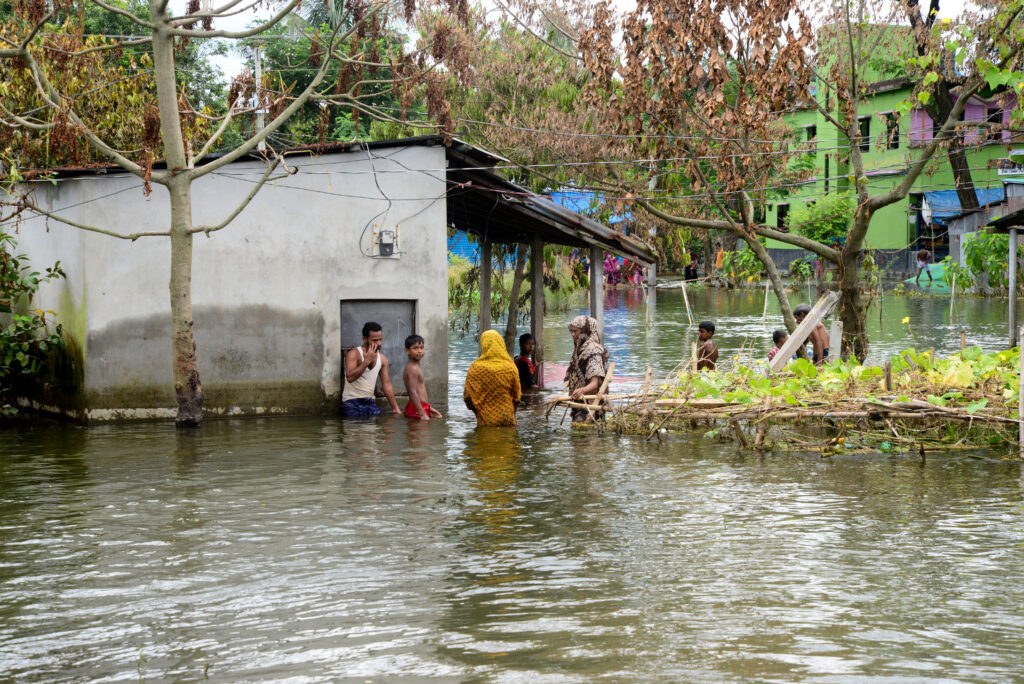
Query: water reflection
{"points": [[392, 549]]}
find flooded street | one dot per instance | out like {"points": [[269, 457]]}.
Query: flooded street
{"points": [[310, 549]]}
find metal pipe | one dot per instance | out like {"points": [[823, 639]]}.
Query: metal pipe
{"points": [[597, 287], [537, 304], [485, 286]]}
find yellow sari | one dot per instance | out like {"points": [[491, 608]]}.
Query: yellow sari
{"points": [[492, 383]]}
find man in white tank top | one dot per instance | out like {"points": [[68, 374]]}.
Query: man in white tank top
{"points": [[363, 365]]}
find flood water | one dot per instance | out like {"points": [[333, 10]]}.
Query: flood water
{"points": [[310, 549]]}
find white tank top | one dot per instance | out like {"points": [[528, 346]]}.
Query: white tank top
{"points": [[362, 387]]}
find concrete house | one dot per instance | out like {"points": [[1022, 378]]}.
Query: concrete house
{"points": [[359, 233]]}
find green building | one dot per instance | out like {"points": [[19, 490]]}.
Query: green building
{"points": [[889, 143]]}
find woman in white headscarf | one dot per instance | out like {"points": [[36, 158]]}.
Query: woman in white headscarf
{"points": [[588, 364]]}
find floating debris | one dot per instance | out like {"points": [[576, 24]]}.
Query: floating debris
{"points": [[914, 402]]}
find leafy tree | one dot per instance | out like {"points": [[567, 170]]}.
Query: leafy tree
{"points": [[713, 94], [110, 97]]}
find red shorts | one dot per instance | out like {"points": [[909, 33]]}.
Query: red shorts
{"points": [[411, 412]]}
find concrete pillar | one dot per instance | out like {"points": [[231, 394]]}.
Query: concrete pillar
{"points": [[597, 287], [537, 304], [1012, 280], [485, 286]]}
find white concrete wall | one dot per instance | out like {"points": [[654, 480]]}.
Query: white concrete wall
{"points": [[266, 289]]}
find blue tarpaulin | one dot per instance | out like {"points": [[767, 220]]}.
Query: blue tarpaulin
{"points": [[945, 204], [585, 202], [581, 201]]}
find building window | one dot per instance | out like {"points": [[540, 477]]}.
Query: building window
{"points": [[892, 130], [812, 133], [828, 172], [865, 133], [781, 216], [995, 116]]}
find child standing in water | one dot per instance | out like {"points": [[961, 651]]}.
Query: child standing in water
{"points": [[779, 338], [415, 384], [707, 352], [524, 362]]}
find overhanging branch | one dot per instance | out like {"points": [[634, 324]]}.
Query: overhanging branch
{"points": [[248, 198], [94, 229]]}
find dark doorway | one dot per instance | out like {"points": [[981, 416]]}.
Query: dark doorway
{"points": [[398, 319]]}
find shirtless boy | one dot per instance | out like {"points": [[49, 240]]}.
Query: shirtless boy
{"points": [[707, 352], [418, 406], [923, 257], [818, 337]]}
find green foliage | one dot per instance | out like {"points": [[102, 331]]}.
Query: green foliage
{"points": [[955, 273], [24, 335], [988, 253], [801, 270], [742, 265], [957, 380], [826, 220], [290, 65], [674, 247], [112, 95]]}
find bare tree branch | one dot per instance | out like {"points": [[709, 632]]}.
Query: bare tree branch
{"points": [[256, 30], [35, 29], [296, 104], [125, 13], [93, 229], [248, 198]]}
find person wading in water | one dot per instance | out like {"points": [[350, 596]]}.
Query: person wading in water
{"points": [[588, 364], [362, 367], [492, 389]]}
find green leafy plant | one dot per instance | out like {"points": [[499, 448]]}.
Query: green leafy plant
{"points": [[989, 254], [955, 273], [742, 265], [25, 337], [800, 270], [826, 220]]}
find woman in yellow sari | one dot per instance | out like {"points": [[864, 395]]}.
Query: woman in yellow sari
{"points": [[492, 389]]}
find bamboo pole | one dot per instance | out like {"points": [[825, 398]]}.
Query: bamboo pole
{"points": [[686, 300], [764, 313], [693, 357], [600, 392], [963, 340], [952, 298]]}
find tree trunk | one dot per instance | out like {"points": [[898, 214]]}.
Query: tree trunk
{"points": [[851, 304], [709, 254], [963, 181], [187, 387], [518, 276], [729, 241], [941, 105], [776, 280]]}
